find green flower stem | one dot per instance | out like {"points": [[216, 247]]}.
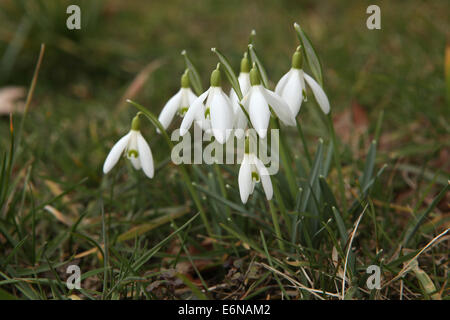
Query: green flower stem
{"points": [[337, 161], [276, 225], [183, 170], [223, 190], [305, 145], [282, 206], [285, 159]]}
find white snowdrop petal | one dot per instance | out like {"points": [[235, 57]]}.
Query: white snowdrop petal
{"points": [[193, 112], [292, 92], [191, 96], [222, 116], [115, 153], [319, 94], [265, 178], [244, 82], [259, 112], [282, 82], [170, 109], [135, 162], [279, 106], [145, 156], [245, 179]]}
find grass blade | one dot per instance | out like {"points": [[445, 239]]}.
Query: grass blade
{"points": [[310, 54]]}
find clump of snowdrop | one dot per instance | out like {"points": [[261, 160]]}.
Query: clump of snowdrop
{"points": [[292, 88], [257, 101], [179, 103], [216, 114], [251, 172], [240, 119], [135, 148]]}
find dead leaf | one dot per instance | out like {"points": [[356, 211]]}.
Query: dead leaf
{"points": [[351, 124], [10, 100], [138, 82]]}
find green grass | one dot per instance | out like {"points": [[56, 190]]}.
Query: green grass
{"points": [[145, 239]]}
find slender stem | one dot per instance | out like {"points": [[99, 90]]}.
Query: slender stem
{"points": [[223, 190], [184, 173], [305, 145], [276, 225], [31, 91], [287, 166], [282, 206], [337, 161]]}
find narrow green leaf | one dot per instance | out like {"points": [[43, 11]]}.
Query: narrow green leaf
{"points": [[262, 71], [418, 222], [327, 193], [194, 77], [145, 257], [341, 226], [369, 165], [4, 295], [195, 290], [228, 69], [310, 54]]}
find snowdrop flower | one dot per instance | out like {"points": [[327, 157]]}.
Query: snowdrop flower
{"points": [[257, 101], [240, 119], [179, 103], [135, 148], [215, 115], [292, 88], [251, 172]]}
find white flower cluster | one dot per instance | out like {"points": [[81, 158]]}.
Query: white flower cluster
{"points": [[217, 113]]}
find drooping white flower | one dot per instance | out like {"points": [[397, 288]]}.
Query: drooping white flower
{"points": [[135, 148], [251, 172], [240, 119], [292, 88], [257, 101], [178, 104], [215, 115]]}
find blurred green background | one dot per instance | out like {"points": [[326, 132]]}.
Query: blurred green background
{"points": [[77, 115]]}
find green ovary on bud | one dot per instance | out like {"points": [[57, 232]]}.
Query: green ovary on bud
{"points": [[245, 64], [254, 76], [136, 123], [297, 59], [185, 79], [216, 79]]}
